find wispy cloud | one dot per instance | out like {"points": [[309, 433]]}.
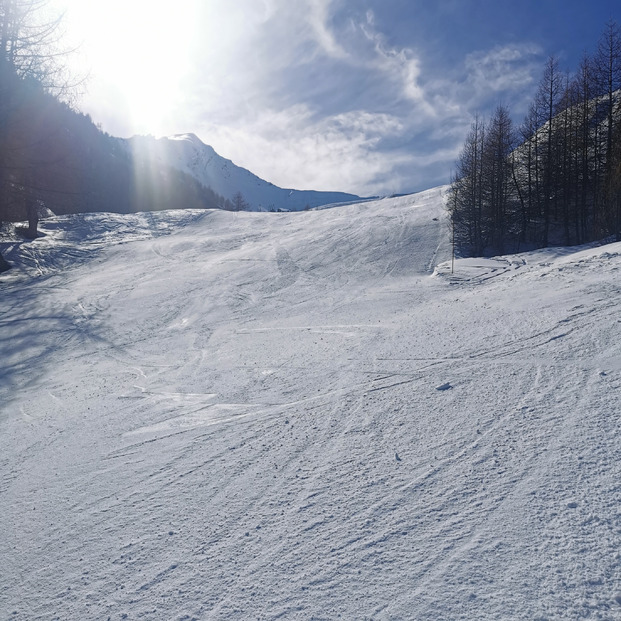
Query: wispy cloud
{"points": [[318, 17], [298, 150], [321, 94], [398, 128], [401, 65], [505, 69]]}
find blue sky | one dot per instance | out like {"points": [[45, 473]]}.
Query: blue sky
{"points": [[365, 96]]}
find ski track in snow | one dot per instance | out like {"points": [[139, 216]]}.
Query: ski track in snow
{"points": [[239, 416]]}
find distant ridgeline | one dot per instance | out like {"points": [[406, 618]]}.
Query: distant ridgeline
{"points": [[56, 158], [556, 179], [59, 160], [186, 152]]}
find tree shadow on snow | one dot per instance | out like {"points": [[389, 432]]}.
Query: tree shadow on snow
{"points": [[38, 332]]}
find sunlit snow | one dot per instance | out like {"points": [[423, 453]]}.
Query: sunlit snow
{"points": [[210, 415]]}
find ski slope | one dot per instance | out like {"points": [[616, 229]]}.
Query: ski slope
{"points": [[208, 415]]}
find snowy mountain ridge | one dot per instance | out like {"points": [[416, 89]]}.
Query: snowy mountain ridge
{"points": [[186, 152]]}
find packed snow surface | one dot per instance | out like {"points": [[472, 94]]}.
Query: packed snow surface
{"points": [[208, 415]]}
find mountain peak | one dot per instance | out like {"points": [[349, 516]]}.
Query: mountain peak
{"points": [[190, 137], [188, 153]]}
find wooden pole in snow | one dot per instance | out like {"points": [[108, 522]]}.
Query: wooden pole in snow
{"points": [[453, 244]]}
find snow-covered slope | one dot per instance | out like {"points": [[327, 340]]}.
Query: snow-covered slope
{"points": [[187, 153], [295, 416]]}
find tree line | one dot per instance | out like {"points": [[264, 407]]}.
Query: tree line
{"points": [[554, 179]]}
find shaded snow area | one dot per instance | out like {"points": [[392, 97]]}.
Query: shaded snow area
{"points": [[306, 416]]}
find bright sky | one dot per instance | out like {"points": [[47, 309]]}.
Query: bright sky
{"points": [[364, 96]]}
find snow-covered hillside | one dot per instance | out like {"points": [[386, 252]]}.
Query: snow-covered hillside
{"points": [[306, 416], [187, 153]]}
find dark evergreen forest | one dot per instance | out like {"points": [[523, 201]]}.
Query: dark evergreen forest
{"points": [[556, 178]]}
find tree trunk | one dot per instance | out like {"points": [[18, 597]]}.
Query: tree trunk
{"points": [[33, 221], [4, 266]]}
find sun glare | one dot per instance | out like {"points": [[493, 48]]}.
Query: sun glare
{"points": [[135, 51]]}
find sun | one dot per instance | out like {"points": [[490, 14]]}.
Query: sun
{"points": [[135, 52]]}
